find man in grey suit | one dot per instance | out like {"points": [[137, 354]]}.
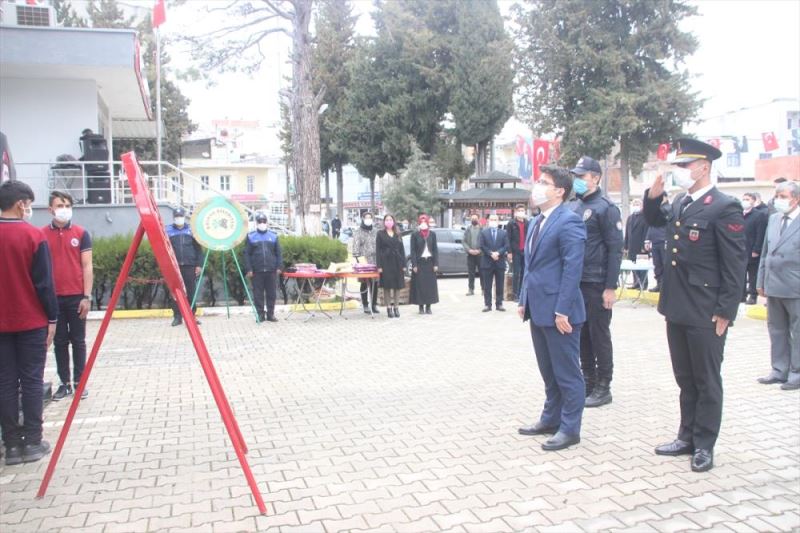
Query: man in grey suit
{"points": [[779, 281]]}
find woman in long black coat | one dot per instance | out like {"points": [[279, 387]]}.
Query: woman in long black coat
{"points": [[425, 264], [390, 260]]}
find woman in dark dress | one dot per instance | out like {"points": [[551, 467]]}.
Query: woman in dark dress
{"points": [[391, 256], [425, 264]]}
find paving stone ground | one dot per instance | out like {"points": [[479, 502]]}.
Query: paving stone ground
{"points": [[402, 425]]}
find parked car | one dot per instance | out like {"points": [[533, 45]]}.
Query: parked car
{"points": [[345, 235], [452, 256]]}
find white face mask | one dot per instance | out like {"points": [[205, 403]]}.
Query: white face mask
{"points": [[635, 209], [492, 223], [368, 222], [262, 226], [63, 214], [27, 214], [521, 215], [783, 205], [683, 177], [180, 221], [539, 194], [423, 226], [747, 204]]}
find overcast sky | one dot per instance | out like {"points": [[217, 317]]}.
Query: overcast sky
{"points": [[749, 54]]}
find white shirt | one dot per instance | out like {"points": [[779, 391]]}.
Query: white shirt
{"points": [[792, 215], [699, 194], [545, 215]]}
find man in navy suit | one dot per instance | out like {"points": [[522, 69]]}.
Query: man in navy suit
{"points": [[550, 297], [493, 243]]}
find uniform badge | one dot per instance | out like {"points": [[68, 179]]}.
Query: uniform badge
{"points": [[694, 235], [708, 200], [587, 215], [74, 242], [619, 225]]}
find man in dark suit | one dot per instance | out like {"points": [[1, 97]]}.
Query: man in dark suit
{"points": [[702, 286], [635, 234], [756, 216], [551, 298], [494, 247], [517, 230]]}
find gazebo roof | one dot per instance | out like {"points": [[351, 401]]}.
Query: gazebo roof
{"points": [[489, 198], [495, 176]]}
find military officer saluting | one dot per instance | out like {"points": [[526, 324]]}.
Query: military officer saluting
{"points": [[702, 285]]}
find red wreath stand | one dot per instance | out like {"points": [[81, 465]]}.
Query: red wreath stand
{"points": [[152, 225]]}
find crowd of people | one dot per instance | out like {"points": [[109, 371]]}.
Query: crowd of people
{"points": [[710, 252]]}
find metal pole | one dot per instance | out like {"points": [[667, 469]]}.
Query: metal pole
{"points": [[158, 102]]}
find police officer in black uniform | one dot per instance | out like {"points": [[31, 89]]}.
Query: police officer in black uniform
{"points": [[601, 264], [701, 289], [188, 253], [263, 263]]}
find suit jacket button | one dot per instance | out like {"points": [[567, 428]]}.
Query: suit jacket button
{"points": [[705, 284], [674, 250], [677, 223], [674, 263], [676, 237]]}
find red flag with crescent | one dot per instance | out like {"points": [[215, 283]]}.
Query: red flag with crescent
{"points": [[541, 155], [663, 151], [159, 13], [770, 142]]}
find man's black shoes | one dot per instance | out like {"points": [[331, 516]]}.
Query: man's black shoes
{"points": [[537, 429], [177, 321], [62, 392], [702, 460], [13, 455], [676, 447], [33, 452], [487, 308], [770, 380], [559, 441]]}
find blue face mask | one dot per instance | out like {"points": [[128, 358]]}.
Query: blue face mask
{"points": [[579, 186]]}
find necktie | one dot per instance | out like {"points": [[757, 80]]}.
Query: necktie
{"points": [[784, 224], [494, 234], [535, 233], [684, 203]]}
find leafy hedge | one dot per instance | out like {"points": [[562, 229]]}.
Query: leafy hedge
{"points": [[144, 290]]}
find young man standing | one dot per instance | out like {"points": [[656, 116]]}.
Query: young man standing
{"points": [[71, 250], [188, 254], [27, 324]]}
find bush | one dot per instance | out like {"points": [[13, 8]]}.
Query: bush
{"points": [[322, 251]]}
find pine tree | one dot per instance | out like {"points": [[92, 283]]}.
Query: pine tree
{"points": [[414, 190], [605, 73], [66, 15]]}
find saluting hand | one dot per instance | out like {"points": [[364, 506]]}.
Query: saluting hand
{"points": [[722, 324], [657, 188]]}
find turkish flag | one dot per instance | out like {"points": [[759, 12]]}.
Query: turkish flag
{"points": [[159, 14], [770, 142], [715, 143], [663, 151], [541, 156]]}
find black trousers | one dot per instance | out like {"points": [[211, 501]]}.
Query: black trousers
{"points": [[265, 283], [190, 282], [752, 277], [369, 292], [71, 329], [497, 276], [22, 358], [696, 355], [473, 271], [658, 251], [518, 270], [597, 352]]}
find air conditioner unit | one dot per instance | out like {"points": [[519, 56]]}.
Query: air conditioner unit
{"points": [[23, 14]]}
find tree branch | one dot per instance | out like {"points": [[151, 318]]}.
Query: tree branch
{"points": [[278, 11]]}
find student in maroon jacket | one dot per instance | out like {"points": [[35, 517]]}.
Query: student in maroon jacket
{"points": [[71, 249], [27, 324]]}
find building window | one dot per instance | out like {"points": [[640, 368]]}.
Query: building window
{"points": [[175, 184], [204, 183], [251, 183], [734, 160], [225, 183], [765, 155]]}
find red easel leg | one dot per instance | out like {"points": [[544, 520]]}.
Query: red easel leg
{"points": [[112, 303], [219, 396]]}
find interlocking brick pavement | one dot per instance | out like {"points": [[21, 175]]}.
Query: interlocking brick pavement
{"points": [[404, 425]]}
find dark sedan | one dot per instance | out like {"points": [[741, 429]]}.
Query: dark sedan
{"points": [[452, 256]]}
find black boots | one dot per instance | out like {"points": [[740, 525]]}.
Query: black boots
{"points": [[396, 312], [389, 311], [601, 394]]}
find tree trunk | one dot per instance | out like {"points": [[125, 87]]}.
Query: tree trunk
{"points": [[328, 194], [339, 191], [625, 184], [480, 158], [372, 195], [305, 122], [288, 197]]}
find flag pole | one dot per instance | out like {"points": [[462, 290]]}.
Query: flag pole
{"points": [[158, 103]]}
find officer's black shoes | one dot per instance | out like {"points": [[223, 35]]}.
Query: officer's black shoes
{"points": [[375, 310], [487, 308], [601, 394], [62, 392], [791, 385], [13, 455], [271, 319], [657, 288], [33, 452], [501, 308], [676, 447], [751, 300], [261, 318], [471, 293], [177, 321], [559, 441], [366, 310], [702, 460], [537, 429], [770, 380]]}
